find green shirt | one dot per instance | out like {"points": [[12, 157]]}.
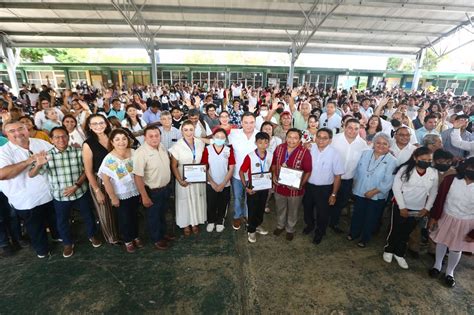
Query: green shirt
{"points": [[3, 140], [298, 121]]}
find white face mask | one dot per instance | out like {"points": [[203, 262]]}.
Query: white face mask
{"points": [[264, 113]]}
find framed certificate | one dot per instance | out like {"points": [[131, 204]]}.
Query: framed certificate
{"points": [[194, 173], [261, 181], [290, 177]]}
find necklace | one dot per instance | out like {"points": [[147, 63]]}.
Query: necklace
{"points": [[371, 171]]}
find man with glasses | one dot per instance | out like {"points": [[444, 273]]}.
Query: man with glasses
{"points": [[40, 116], [323, 185], [401, 148], [30, 197], [68, 185], [211, 117]]}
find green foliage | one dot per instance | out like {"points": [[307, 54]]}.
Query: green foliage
{"points": [[37, 54], [430, 63], [394, 63]]}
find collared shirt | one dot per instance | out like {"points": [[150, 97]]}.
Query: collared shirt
{"points": [[367, 112], [151, 117], [371, 173], [332, 123], [242, 146], [460, 199], [298, 121], [326, 165], [170, 137], [448, 145], [64, 169], [404, 154], [120, 114], [422, 132], [23, 192], [153, 165], [350, 152]]}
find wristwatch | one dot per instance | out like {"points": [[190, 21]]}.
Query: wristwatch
{"points": [[333, 195]]}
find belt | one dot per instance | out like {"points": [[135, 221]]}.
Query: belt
{"points": [[155, 189]]}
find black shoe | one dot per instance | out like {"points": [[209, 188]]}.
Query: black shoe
{"points": [[336, 229], [413, 254], [433, 272], [6, 251], [317, 239], [308, 229], [450, 282]]}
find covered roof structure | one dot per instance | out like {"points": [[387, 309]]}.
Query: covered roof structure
{"points": [[394, 27]]}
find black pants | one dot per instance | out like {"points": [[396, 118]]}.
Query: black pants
{"points": [[127, 215], [317, 208], [399, 232], [343, 195], [217, 203], [256, 205]]}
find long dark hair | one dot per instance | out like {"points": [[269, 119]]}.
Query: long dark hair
{"points": [[90, 133], [461, 169], [411, 163], [129, 120], [379, 124]]}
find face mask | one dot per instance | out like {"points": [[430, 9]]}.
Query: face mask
{"points": [[264, 113], [219, 142], [423, 164], [442, 167], [469, 174], [279, 110]]}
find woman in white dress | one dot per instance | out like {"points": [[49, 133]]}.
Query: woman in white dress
{"points": [[190, 198]]}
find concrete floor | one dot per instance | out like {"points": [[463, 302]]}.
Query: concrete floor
{"points": [[224, 274]]}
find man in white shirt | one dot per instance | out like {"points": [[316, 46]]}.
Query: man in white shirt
{"points": [[243, 142], [236, 90], [323, 184], [30, 197], [349, 145], [401, 148]]}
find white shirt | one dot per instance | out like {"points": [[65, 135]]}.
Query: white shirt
{"points": [[412, 112], [23, 192], [331, 123], [413, 139], [460, 200], [404, 154], [274, 142], [135, 128], [419, 192], [350, 152], [367, 112], [260, 120], [218, 163], [458, 142], [236, 90], [40, 117], [326, 165], [242, 146]]}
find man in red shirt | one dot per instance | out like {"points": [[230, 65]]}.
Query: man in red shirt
{"points": [[290, 154]]}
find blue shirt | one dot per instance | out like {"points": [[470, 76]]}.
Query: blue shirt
{"points": [[150, 117], [120, 114], [422, 132], [372, 174]]}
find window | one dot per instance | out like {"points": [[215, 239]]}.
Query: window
{"points": [[249, 78], [6, 79], [322, 81], [77, 77], [277, 79], [205, 78], [457, 86], [52, 78], [171, 77]]}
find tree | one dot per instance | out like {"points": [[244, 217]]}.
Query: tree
{"points": [[394, 63], [37, 54], [430, 63]]}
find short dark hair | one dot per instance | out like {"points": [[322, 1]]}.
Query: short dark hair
{"points": [[441, 154], [466, 164], [326, 130], [155, 104], [150, 127], [194, 112], [428, 117], [62, 128], [208, 106], [262, 136], [247, 114], [352, 120], [294, 130]]}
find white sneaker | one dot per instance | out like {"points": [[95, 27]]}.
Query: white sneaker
{"points": [[260, 230], [210, 227], [388, 257], [268, 210], [219, 228], [401, 262], [252, 237]]}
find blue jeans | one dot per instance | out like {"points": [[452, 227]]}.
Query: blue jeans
{"points": [[9, 225], [36, 220], [365, 217], [63, 213], [156, 214], [240, 199]]}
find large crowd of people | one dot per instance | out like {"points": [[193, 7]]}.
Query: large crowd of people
{"points": [[110, 152]]}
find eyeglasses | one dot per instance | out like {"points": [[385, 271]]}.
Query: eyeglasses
{"points": [[20, 129], [95, 124], [60, 137], [325, 123]]}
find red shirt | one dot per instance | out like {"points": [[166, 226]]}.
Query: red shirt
{"points": [[299, 159]]}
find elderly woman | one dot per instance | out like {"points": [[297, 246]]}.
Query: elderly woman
{"points": [[373, 180], [452, 220], [432, 142]]}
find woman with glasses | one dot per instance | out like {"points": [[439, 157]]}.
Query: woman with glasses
{"points": [[94, 150]]}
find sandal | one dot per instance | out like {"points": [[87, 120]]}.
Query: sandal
{"points": [[187, 231], [195, 229]]}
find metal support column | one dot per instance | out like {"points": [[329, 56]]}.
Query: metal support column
{"points": [[12, 60], [291, 73], [153, 58], [417, 75]]}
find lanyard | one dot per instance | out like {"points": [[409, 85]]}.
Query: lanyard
{"points": [[263, 162], [288, 156], [193, 150]]}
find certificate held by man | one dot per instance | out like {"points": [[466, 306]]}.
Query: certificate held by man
{"points": [[194, 173], [261, 181], [290, 177]]}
